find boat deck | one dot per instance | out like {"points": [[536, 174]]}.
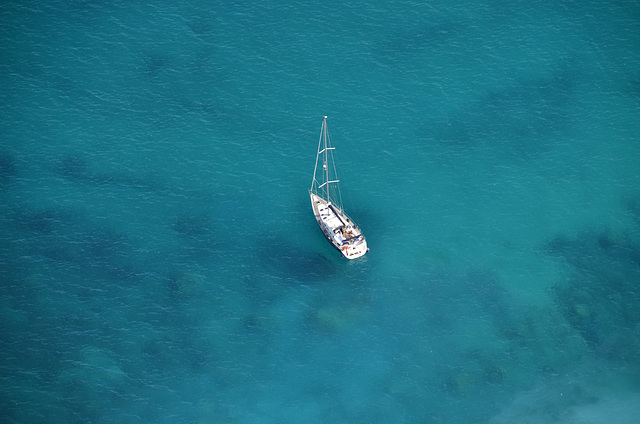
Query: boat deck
{"points": [[343, 234], [328, 216]]}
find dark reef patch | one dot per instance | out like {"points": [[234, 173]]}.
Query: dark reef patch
{"points": [[517, 117], [602, 299], [42, 221], [154, 65], [202, 26], [8, 169], [632, 204], [197, 234], [409, 42], [475, 292], [192, 225], [75, 168], [64, 238], [634, 87]]}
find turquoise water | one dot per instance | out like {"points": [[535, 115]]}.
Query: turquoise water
{"points": [[160, 261]]}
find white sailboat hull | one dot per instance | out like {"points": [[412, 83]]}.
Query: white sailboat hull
{"points": [[338, 228]]}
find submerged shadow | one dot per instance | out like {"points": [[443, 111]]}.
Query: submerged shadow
{"points": [[294, 263]]}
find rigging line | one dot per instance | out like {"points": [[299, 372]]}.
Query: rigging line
{"points": [[352, 208], [335, 172], [348, 195]]}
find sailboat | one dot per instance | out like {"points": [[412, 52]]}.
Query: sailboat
{"points": [[326, 202]]}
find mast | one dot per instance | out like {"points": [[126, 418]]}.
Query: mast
{"points": [[324, 145], [326, 164]]}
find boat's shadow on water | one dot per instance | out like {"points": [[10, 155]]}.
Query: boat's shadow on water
{"points": [[294, 263]]}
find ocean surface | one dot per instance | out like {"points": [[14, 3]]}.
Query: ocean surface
{"points": [[160, 262]]}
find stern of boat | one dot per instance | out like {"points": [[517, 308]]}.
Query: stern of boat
{"points": [[355, 251]]}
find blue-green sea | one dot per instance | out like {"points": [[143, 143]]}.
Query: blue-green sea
{"points": [[159, 258]]}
